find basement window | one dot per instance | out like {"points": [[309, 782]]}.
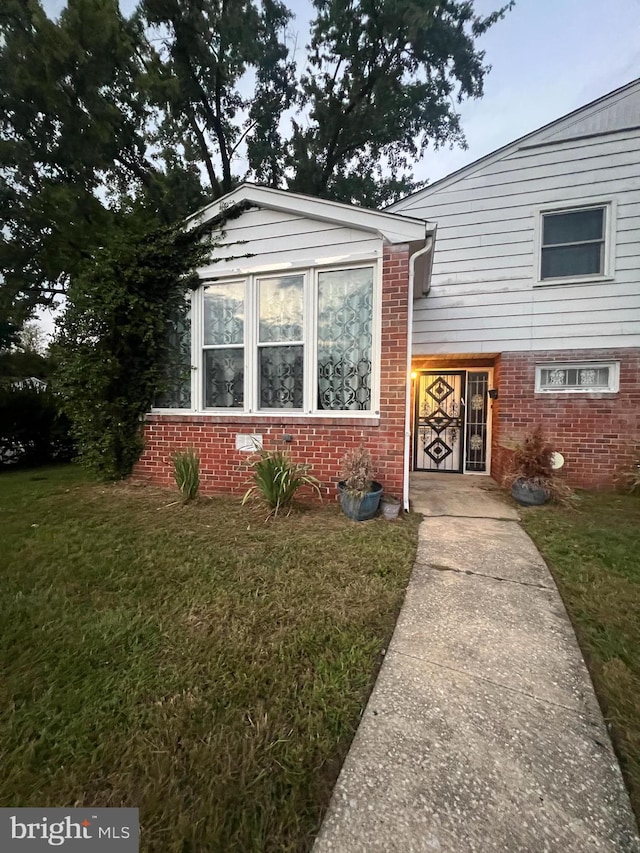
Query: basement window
{"points": [[584, 378]]}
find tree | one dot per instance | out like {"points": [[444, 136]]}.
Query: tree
{"points": [[26, 355], [102, 114], [74, 141], [379, 87], [204, 50]]}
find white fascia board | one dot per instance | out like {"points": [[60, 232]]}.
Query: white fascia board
{"points": [[393, 227]]}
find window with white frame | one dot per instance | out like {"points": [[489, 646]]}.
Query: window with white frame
{"points": [[176, 390], [298, 342], [573, 243], [586, 377]]}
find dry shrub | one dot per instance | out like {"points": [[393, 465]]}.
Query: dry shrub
{"points": [[357, 471], [532, 460]]}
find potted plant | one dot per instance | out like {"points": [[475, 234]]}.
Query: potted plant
{"points": [[533, 477], [359, 492]]}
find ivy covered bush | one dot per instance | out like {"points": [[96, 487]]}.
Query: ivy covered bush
{"points": [[113, 346]]}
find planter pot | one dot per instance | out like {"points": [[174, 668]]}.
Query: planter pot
{"points": [[528, 494], [389, 507], [357, 508]]}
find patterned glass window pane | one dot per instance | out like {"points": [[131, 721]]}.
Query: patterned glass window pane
{"points": [[585, 376], [281, 301], [224, 378], [224, 314], [345, 337], [281, 377], [177, 391]]}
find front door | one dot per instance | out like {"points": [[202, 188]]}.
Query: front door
{"points": [[451, 421]]}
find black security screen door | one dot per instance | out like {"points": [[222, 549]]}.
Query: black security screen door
{"points": [[451, 421], [477, 414], [439, 422]]}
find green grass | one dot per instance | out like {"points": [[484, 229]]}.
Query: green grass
{"points": [[189, 660], [593, 551]]}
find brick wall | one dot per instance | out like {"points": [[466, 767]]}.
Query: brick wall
{"points": [[320, 441], [592, 431]]}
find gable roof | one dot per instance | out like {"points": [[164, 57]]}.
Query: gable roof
{"points": [[393, 227], [612, 113]]}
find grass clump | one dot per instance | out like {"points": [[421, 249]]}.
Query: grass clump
{"points": [[186, 472], [190, 661], [277, 478], [592, 550]]}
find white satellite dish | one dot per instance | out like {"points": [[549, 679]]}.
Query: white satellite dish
{"points": [[557, 460]]}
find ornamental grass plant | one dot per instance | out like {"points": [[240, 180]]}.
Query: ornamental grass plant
{"points": [[186, 471], [276, 478]]}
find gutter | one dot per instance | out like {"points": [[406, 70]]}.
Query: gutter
{"points": [[429, 245]]}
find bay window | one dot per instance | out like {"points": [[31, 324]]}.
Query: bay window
{"points": [[304, 341]]}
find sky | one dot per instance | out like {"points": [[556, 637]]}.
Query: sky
{"points": [[548, 57]]}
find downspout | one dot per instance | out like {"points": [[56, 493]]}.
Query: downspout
{"points": [[407, 414]]}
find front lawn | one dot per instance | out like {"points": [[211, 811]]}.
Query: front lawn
{"points": [[191, 661], [593, 551]]}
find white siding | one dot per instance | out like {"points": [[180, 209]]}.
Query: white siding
{"points": [[263, 239], [484, 297]]}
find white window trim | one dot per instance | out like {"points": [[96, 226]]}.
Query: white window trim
{"points": [[609, 206], [310, 274], [614, 377]]}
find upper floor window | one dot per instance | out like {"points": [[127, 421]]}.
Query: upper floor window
{"points": [[573, 243]]}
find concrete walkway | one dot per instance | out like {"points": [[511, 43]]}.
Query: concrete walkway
{"points": [[483, 732]]}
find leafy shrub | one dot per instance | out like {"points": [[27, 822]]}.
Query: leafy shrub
{"points": [[186, 470], [357, 471], [276, 478], [33, 429]]}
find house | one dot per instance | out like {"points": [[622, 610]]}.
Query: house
{"points": [[535, 298], [299, 337], [503, 296], [30, 382]]}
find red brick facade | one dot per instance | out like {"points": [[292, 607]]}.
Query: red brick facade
{"points": [[592, 431], [320, 441]]}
